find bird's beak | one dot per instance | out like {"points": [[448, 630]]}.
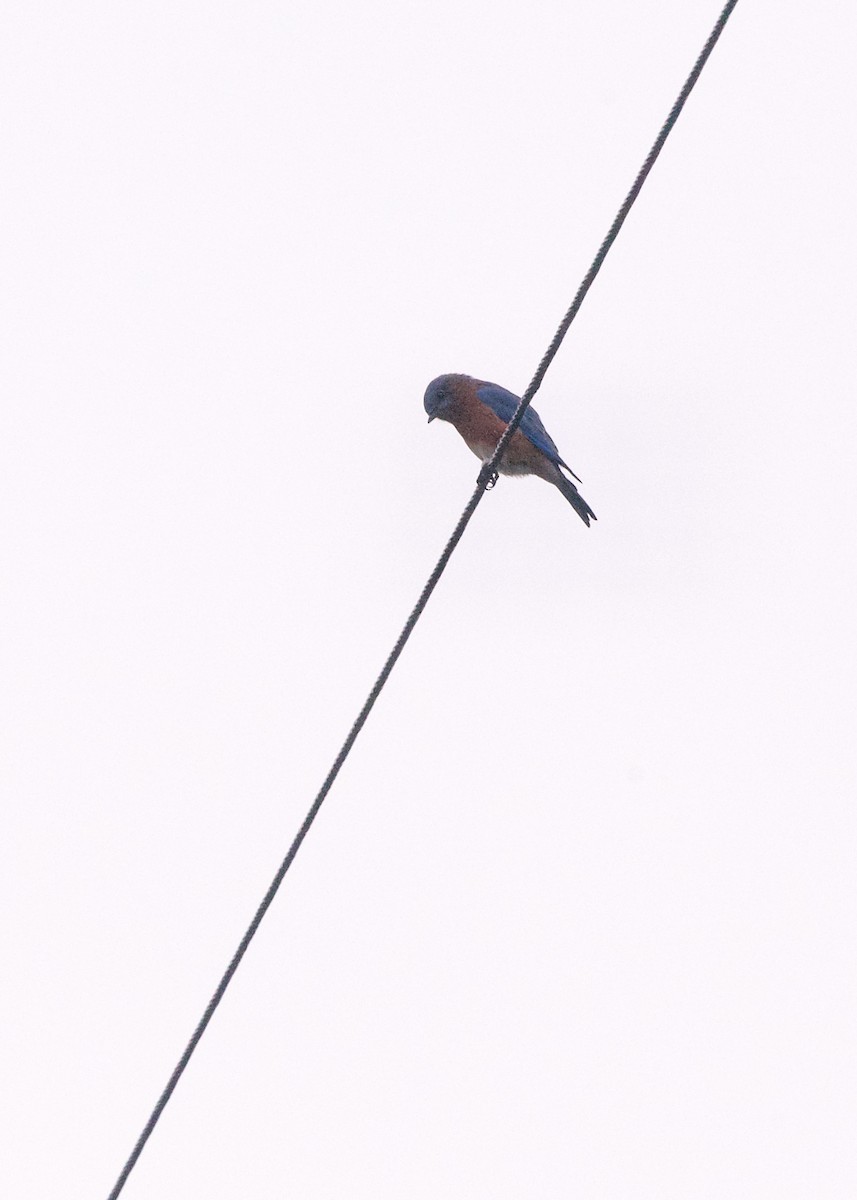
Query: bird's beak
{"points": [[431, 419]]}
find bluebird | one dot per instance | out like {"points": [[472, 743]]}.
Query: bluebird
{"points": [[480, 412]]}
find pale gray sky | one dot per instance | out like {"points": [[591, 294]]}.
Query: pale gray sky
{"points": [[578, 918]]}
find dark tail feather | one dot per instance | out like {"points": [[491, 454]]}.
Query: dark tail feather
{"points": [[574, 498]]}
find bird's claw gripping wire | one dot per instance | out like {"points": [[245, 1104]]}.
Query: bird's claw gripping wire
{"points": [[487, 478]]}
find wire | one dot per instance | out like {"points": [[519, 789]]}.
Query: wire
{"points": [[613, 232], [485, 478]]}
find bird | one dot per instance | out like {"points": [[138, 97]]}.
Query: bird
{"points": [[480, 411]]}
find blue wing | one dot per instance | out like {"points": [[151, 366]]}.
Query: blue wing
{"points": [[504, 403]]}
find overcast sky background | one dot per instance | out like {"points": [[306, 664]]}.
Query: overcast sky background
{"points": [[578, 917]]}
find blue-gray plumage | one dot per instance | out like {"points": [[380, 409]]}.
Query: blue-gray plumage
{"points": [[480, 411]]}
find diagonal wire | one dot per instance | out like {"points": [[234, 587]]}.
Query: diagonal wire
{"points": [[612, 234], [484, 479]]}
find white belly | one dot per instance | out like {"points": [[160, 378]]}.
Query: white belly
{"points": [[484, 450]]}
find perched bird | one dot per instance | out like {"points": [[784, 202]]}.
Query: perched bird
{"points": [[480, 412]]}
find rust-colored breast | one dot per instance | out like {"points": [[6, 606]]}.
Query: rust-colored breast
{"points": [[482, 429]]}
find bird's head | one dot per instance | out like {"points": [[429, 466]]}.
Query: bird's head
{"points": [[440, 396]]}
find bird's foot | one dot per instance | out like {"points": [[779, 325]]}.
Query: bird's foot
{"points": [[487, 478]]}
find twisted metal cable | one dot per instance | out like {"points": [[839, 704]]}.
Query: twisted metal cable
{"points": [[485, 476], [612, 234]]}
